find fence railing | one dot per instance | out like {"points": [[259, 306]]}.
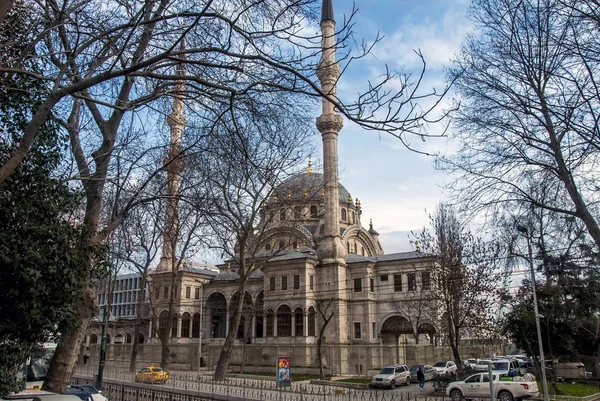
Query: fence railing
{"points": [[118, 386]]}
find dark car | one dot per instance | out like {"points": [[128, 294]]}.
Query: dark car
{"points": [[428, 371], [83, 395], [96, 394]]}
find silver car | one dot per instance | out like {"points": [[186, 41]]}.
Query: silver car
{"points": [[391, 376], [428, 372]]}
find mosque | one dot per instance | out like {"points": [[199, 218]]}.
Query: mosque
{"points": [[322, 275]]}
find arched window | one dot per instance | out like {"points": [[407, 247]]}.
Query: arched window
{"points": [[284, 321], [128, 338], [348, 247], [241, 327], [271, 215], [311, 321], [353, 218], [299, 322], [268, 247], [196, 325], [108, 338], [313, 212], [343, 214], [174, 327], [281, 245], [270, 323], [297, 212], [94, 339], [185, 325], [295, 244], [163, 322], [282, 215], [141, 338]]}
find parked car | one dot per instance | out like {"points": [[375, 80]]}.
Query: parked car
{"points": [[472, 362], [428, 371], [390, 376], [96, 394], [507, 367], [152, 374], [83, 395], [478, 386], [482, 365], [39, 395], [445, 368]]}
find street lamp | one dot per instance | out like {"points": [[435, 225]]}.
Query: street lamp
{"points": [[102, 355], [200, 330], [523, 230]]}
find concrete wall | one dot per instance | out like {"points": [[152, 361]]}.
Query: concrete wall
{"points": [[363, 360]]}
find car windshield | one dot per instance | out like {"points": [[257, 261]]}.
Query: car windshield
{"points": [[484, 362], [89, 389], [440, 365], [500, 365], [415, 368], [386, 371]]}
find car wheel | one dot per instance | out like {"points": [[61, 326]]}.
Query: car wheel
{"points": [[393, 384], [505, 396], [456, 395], [408, 381]]}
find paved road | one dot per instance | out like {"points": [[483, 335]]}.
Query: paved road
{"points": [[412, 388]]}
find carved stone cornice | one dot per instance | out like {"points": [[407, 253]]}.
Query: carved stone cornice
{"points": [[328, 71], [330, 123]]}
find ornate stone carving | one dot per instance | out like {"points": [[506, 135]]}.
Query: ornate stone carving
{"points": [[330, 123], [328, 71]]}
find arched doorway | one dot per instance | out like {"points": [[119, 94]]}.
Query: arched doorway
{"points": [[216, 312], [393, 333], [244, 330], [426, 332]]}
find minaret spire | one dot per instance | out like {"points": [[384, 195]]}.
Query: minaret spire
{"points": [[329, 124], [173, 164]]}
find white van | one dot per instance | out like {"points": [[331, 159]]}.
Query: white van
{"points": [[507, 367]]}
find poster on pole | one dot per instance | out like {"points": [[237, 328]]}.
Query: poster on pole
{"points": [[284, 375]]}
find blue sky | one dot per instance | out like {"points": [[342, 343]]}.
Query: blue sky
{"points": [[397, 187]]}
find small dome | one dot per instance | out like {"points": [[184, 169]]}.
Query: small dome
{"points": [[227, 275], [303, 187]]}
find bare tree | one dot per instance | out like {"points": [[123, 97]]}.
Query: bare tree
{"points": [[464, 275], [234, 53], [138, 244], [419, 305], [323, 307], [528, 121], [241, 166], [101, 62]]}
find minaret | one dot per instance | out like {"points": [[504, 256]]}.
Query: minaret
{"points": [[329, 124], [174, 165]]}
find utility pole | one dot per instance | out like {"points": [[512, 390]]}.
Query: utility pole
{"points": [[525, 231], [102, 348]]}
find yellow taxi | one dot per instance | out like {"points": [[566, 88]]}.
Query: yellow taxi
{"points": [[152, 374]]}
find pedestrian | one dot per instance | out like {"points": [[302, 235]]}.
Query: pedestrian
{"points": [[421, 379]]}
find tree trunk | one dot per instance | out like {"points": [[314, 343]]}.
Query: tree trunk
{"points": [[5, 7], [138, 323], [223, 363], [67, 351]]}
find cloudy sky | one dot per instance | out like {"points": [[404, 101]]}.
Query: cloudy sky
{"points": [[397, 187]]}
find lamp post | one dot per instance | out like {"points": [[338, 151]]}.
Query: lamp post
{"points": [[523, 230], [102, 355], [200, 329]]}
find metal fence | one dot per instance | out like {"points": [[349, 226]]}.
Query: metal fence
{"points": [[118, 386]]}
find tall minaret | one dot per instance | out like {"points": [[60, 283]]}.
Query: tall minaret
{"points": [[329, 124], [174, 165]]}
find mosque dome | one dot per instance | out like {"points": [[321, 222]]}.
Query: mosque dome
{"points": [[304, 187]]}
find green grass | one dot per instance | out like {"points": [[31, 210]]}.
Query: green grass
{"points": [[575, 390]]}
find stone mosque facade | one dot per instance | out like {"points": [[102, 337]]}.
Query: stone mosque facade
{"points": [[317, 259]]}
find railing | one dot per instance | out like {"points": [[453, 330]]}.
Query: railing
{"points": [[118, 386]]}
